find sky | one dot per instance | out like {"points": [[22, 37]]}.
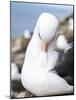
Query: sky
{"points": [[24, 15]]}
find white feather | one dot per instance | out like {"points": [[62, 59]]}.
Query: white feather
{"points": [[35, 76], [71, 24], [27, 34], [61, 42]]}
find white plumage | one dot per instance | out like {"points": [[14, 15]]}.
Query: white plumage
{"points": [[44, 25], [61, 42], [27, 34], [71, 24], [35, 75]]}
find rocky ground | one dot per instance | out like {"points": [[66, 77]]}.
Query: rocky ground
{"points": [[18, 49]]}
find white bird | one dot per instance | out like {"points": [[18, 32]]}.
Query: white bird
{"points": [[14, 72], [27, 34], [61, 42], [71, 24], [35, 75]]}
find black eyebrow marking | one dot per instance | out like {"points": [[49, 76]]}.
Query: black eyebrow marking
{"points": [[55, 36], [39, 35]]}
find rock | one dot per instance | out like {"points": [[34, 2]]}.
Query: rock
{"points": [[66, 28], [15, 75], [28, 94], [21, 94], [17, 86], [19, 44]]}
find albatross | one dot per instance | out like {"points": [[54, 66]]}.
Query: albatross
{"points": [[41, 57]]}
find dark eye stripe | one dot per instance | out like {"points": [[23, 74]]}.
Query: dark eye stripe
{"points": [[39, 35], [52, 38]]}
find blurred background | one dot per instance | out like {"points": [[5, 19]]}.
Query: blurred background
{"points": [[23, 20]]}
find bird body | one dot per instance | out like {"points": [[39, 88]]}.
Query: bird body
{"points": [[35, 75]]}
